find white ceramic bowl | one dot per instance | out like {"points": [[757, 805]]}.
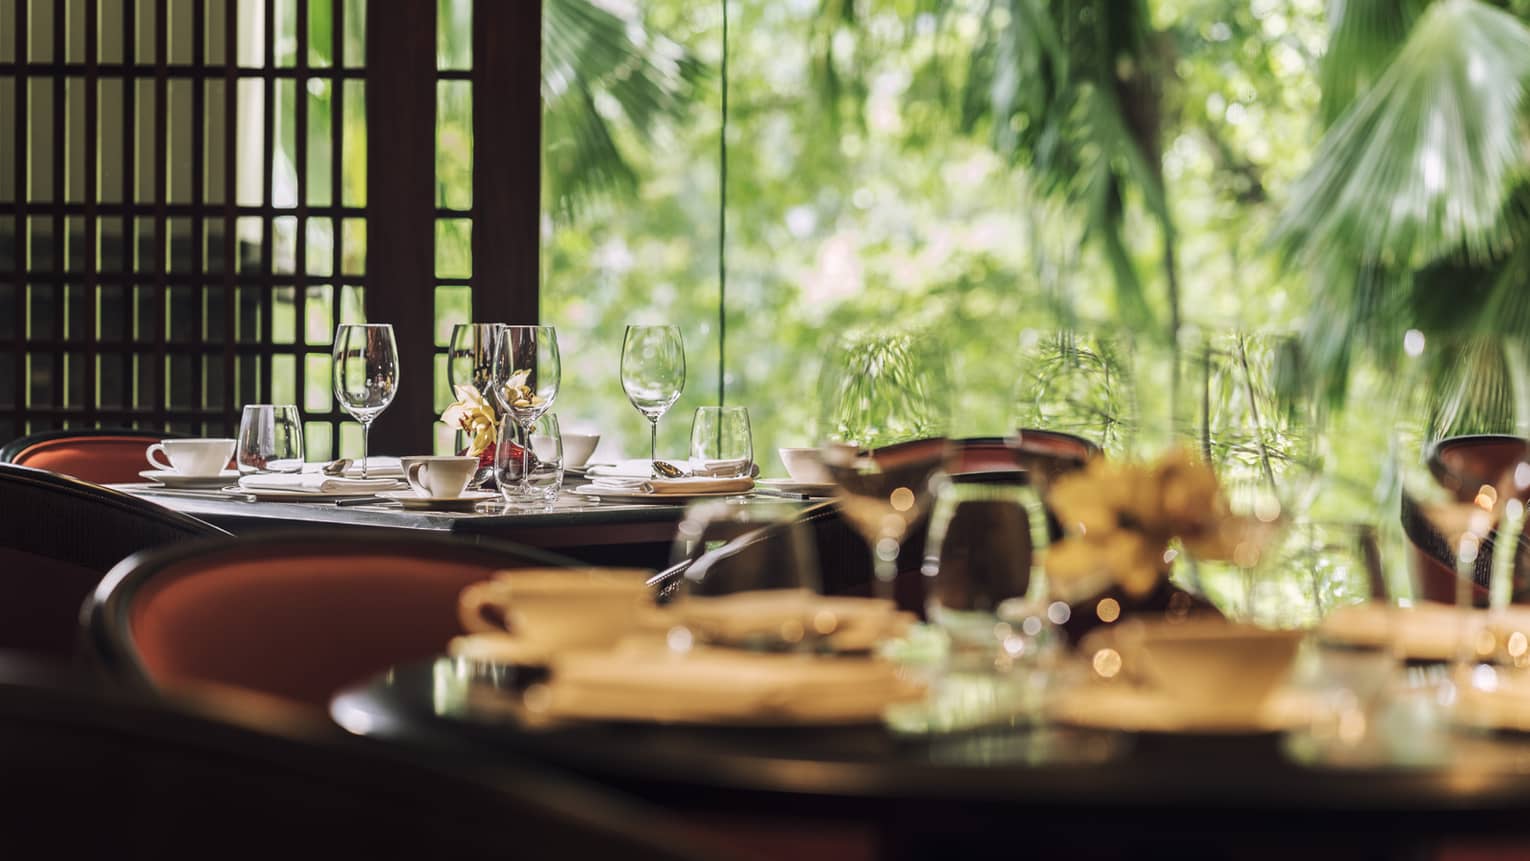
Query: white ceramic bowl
{"points": [[804, 464], [577, 448]]}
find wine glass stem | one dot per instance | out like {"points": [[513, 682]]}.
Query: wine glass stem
{"points": [[526, 459], [653, 440], [366, 431], [884, 568]]}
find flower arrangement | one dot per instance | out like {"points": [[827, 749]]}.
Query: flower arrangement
{"points": [[474, 416], [1119, 519]]}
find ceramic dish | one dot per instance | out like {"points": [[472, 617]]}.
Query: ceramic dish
{"points": [[170, 478], [264, 495], [1130, 708], [413, 502]]}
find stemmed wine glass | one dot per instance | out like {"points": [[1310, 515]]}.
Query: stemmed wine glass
{"points": [[653, 375], [885, 437], [526, 374], [470, 362], [366, 374]]}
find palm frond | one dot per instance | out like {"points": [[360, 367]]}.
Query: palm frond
{"points": [[1364, 36], [601, 69], [1421, 165]]}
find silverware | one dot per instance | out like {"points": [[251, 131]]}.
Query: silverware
{"points": [[665, 469], [199, 494], [360, 500], [784, 494], [336, 467]]}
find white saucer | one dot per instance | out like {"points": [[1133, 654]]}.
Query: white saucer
{"points": [[170, 478], [811, 488], [466, 502], [1136, 709], [274, 495]]}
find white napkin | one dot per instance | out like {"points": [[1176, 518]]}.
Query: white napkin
{"points": [[314, 483], [661, 486], [850, 623], [380, 466], [648, 682]]}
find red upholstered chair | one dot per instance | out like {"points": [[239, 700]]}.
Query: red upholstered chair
{"points": [[103, 456], [58, 537], [294, 617], [168, 782], [1462, 465]]}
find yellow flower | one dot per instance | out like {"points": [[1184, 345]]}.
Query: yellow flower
{"points": [[474, 416]]}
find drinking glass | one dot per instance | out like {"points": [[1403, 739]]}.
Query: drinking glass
{"points": [[470, 362], [751, 580], [653, 375], [985, 590], [545, 480], [270, 439], [526, 374], [366, 374], [1079, 383], [886, 401], [721, 443]]}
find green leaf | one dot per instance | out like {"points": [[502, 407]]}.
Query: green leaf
{"points": [[1364, 36], [1421, 165]]}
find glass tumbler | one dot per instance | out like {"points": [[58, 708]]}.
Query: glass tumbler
{"points": [[721, 443], [533, 480], [270, 439]]}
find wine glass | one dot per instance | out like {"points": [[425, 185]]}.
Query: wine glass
{"points": [[653, 375], [470, 362], [366, 374], [526, 375], [886, 408]]}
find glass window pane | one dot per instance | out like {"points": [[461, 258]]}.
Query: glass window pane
{"points": [[7, 248], [321, 33], [76, 313], [250, 147], [183, 315], [40, 148], [353, 248], [8, 151], [352, 304], [252, 33], [286, 32], [318, 315], [318, 440], [283, 315], [284, 239], [284, 379], [8, 38], [108, 30], [42, 310], [454, 144], [454, 248], [40, 380], [179, 245], [74, 30], [214, 298], [178, 138], [181, 36], [216, 18], [112, 245], [74, 140], [76, 252], [111, 312], [247, 323], [317, 383], [145, 308], [321, 247], [284, 190], [110, 171], [40, 24], [454, 34], [74, 380], [214, 135], [146, 171], [355, 33], [111, 380], [144, 30], [248, 239], [319, 190], [354, 143], [453, 305], [40, 245]]}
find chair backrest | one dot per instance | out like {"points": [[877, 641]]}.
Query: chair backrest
{"points": [[1462, 465], [146, 779], [102, 455], [58, 537], [295, 616]]}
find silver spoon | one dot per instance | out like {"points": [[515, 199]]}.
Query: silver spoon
{"points": [[336, 467], [664, 469]]}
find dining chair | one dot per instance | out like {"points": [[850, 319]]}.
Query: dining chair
{"points": [[58, 537], [292, 616], [1463, 464], [141, 778], [101, 455]]}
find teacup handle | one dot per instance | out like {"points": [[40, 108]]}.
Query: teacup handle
{"points": [[412, 475], [154, 449], [472, 603]]}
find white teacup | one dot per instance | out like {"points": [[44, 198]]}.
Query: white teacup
{"points": [[1210, 664], [438, 477], [805, 464], [194, 457], [577, 448], [551, 609]]}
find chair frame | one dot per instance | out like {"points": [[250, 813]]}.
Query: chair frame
{"points": [[106, 616], [98, 494], [15, 447]]}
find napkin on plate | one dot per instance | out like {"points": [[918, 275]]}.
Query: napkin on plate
{"points": [[851, 624], [314, 483], [645, 681], [661, 486], [380, 466]]}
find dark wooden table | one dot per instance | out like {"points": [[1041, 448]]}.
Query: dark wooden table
{"points": [[597, 532], [1083, 792]]}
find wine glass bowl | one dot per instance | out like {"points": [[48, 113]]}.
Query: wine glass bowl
{"points": [[366, 379], [653, 374]]}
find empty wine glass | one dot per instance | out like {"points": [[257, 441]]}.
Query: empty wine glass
{"points": [[366, 374], [653, 375], [526, 374]]}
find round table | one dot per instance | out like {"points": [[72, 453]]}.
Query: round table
{"points": [[1091, 793]]}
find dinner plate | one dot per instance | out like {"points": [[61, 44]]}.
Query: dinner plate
{"points": [[170, 478], [1428, 631], [640, 496], [273, 495], [811, 488], [410, 500], [1130, 708]]}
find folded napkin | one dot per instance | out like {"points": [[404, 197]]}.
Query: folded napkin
{"points": [[380, 466], [643, 681], [661, 486], [851, 624], [314, 483]]}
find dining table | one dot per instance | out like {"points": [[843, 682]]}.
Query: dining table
{"points": [[879, 792], [594, 530]]}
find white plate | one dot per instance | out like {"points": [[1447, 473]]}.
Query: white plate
{"points": [[272, 495], [640, 496], [1135, 709], [811, 488], [466, 502], [174, 479], [1428, 631]]}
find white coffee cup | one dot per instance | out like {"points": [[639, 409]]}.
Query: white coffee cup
{"points": [[195, 457], [558, 608], [1208, 663], [804, 464], [438, 477]]}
